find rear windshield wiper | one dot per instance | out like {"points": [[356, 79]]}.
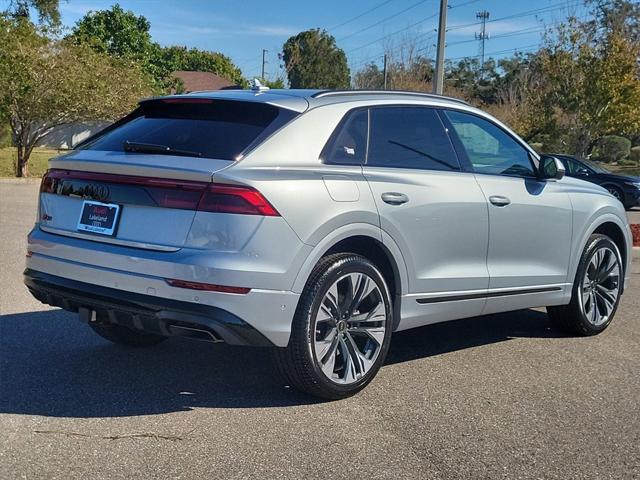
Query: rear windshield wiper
{"points": [[138, 147]]}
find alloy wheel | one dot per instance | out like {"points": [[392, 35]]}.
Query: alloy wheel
{"points": [[600, 287], [349, 328], [615, 192]]}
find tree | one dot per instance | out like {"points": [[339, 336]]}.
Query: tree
{"points": [[277, 83], [593, 75], [613, 101], [45, 84], [48, 10], [473, 79], [522, 100], [313, 60], [407, 68], [195, 60], [611, 148], [123, 34], [370, 77]]}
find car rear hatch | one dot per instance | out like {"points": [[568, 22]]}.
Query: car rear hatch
{"points": [[140, 182]]}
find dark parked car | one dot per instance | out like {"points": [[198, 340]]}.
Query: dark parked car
{"points": [[625, 188]]}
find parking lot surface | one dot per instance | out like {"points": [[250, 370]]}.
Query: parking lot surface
{"points": [[500, 396]]}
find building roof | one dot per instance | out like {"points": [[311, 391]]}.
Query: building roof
{"points": [[198, 81]]}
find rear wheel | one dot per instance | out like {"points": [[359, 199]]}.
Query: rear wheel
{"points": [[126, 336], [341, 331], [596, 290]]}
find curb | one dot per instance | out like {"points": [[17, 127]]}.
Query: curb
{"points": [[635, 231]]}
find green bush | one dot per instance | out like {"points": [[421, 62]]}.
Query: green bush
{"points": [[626, 163], [634, 156], [611, 148]]}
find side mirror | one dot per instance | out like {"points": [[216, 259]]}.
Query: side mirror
{"points": [[551, 168]]}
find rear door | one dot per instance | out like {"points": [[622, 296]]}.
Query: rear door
{"points": [[435, 212], [153, 167], [530, 220]]}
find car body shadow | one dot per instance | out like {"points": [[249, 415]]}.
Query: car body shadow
{"points": [[52, 365]]}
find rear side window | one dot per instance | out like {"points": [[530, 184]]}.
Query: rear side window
{"points": [[220, 129], [348, 145], [410, 137], [489, 148]]}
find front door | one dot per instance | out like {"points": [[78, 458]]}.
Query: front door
{"points": [[530, 220]]}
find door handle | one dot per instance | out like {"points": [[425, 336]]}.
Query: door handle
{"points": [[499, 201], [394, 198]]}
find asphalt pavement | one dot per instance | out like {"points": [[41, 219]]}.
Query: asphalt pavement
{"points": [[501, 396]]}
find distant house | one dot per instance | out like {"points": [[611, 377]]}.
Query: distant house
{"points": [[67, 136], [198, 81]]}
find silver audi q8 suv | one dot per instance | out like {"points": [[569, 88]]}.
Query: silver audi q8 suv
{"points": [[318, 222]]}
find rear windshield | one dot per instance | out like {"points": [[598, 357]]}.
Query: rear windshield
{"points": [[220, 129]]}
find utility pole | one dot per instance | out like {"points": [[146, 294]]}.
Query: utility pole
{"points": [[384, 70], [438, 79], [264, 52], [483, 16]]}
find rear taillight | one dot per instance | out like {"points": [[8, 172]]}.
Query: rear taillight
{"points": [[166, 193], [235, 199], [46, 185]]}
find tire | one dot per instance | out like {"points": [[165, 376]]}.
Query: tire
{"points": [[594, 298], [126, 336], [326, 334], [616, 192]]}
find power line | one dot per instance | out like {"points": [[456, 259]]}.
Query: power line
{"points": [[531, 12], [526, 31], [526, 13], [371, 59], [451, 7], [427, 35], [523, 48], [359, 16], [380, 55], [394, 33], [383, 20]]}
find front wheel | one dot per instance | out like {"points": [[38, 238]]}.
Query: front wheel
{"points": [[616, 192], [341, 330], [596, 290]]}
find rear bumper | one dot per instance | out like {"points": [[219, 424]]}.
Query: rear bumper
{"points": [[268, 307], [142, 312]]}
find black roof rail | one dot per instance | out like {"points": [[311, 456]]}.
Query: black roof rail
{"points": [[332, 93]]}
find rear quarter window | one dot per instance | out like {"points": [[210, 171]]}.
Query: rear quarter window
{"points": [[219, 129], [348, 144]]}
